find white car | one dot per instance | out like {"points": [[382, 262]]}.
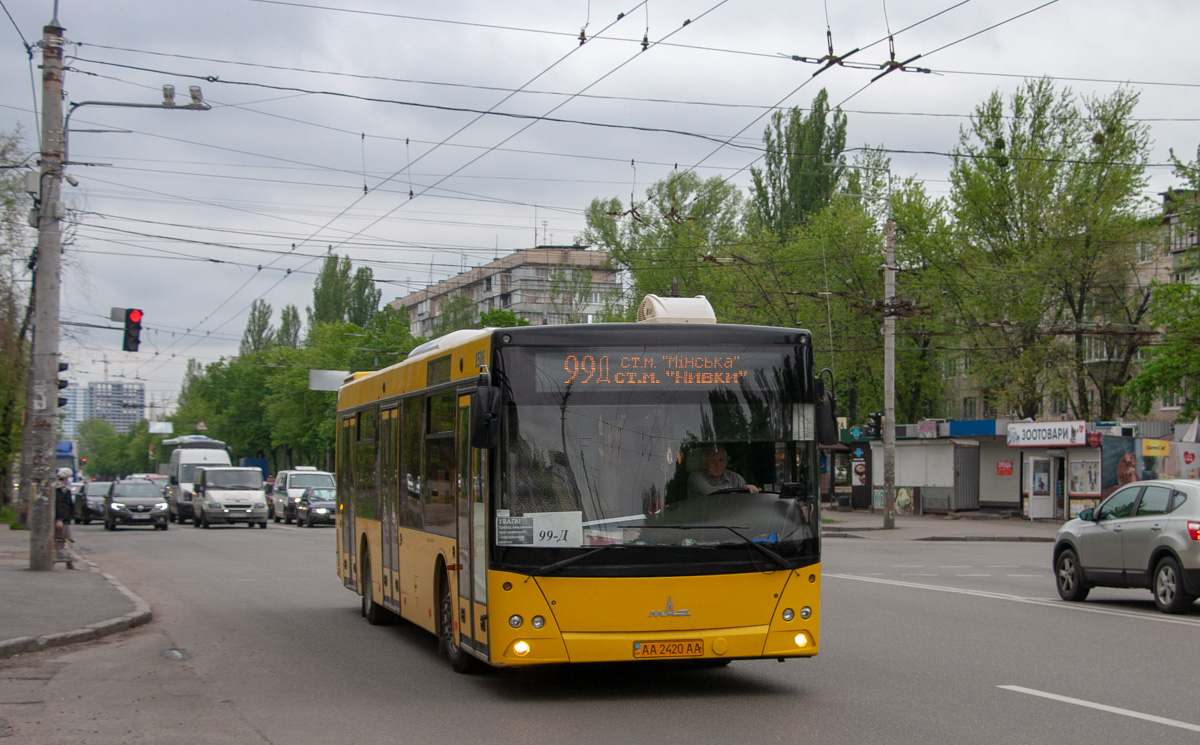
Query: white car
{"points": [[290, 485]]}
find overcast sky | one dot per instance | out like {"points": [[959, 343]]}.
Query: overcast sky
{"points": [[191, 215]]}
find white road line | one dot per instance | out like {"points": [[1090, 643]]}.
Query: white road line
{"points": [[972, 575], [1046, 602], [914, 574], [954, 566], [1004, 566], [1028, 575], [1103, 707]]}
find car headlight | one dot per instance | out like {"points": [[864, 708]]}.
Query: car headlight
{"points": [[296, 499], [160, 506], [116, 506], [260, 505], [322, 511]]}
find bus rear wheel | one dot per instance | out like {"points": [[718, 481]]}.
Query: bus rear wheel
{"points": [[460, 661]]}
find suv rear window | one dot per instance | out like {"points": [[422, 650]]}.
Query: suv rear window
{"points": [[300, 480]]}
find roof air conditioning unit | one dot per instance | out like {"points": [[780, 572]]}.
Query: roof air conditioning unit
{"points": [[655, 309]]}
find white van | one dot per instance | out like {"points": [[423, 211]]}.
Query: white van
{"points": [[229, 495], [190, 453]]}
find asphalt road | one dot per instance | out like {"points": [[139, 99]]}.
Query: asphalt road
{"points": [[254, 640]]}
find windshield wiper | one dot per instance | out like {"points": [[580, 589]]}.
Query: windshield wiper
{"points": [[551, 568], [733, 529]]}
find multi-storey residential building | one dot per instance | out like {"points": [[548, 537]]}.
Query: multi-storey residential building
{"points": [[120, 404], [542, 285], [72, 414]]}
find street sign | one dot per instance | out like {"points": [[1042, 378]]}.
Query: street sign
{"points": [[856, 432]]}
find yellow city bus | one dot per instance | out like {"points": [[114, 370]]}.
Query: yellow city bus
{"points": [[551, 494]]}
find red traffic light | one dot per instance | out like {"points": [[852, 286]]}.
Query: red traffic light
{"points": [[135, 315]]}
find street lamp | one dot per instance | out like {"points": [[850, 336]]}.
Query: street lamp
{"points": [[168, 102], [38, 436]]}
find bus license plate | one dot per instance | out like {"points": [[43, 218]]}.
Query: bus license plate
{"points": [[680, 648]]}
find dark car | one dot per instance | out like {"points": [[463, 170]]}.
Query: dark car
{"points": [[135, 502], [318, 504], [1146, 534], [89, 501]]}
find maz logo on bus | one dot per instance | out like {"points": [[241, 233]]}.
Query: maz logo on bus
{"points": [[670, 611]]}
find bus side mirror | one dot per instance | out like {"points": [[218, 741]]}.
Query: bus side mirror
{"points": [[485, 417], [827, 429]]}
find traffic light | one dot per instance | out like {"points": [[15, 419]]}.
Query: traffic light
{"points": [[875, 424], [62, 368], [133, 329]]}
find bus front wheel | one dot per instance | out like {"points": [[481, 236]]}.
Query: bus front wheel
{"points": [[460, 661]]}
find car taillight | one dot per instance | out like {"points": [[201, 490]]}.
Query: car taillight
{"points": [[1194, 530]]}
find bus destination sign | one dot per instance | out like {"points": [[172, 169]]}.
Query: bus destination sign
{"points": [[613, 368]]}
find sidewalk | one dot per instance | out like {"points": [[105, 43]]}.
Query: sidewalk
{"points": [[962, 526], [39, 610]]}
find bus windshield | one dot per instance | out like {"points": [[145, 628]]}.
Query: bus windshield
{"points": [[679, 447]]}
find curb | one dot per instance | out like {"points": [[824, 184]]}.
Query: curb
{"points": [[141, 615], [1008, 538]]}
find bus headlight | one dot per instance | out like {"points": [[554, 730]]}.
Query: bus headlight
{"points": [[788, 614], [802, 640], [537, 622], [806, 613], [515, 621], [521, 648]]}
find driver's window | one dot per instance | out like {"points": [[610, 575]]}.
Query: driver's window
{"points": [[1119, 504]]}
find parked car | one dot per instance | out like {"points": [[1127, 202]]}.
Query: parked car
{"points": [[89, 501], [318, 504], [290, 484], [1146, 534], [229, 494], [134, 502]]}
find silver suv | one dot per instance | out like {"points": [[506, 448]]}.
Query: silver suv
{"points": [[1146, 534]]}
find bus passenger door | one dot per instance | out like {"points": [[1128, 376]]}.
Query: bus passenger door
{"points": [[471, 564], [345, 503], [389, 420]]}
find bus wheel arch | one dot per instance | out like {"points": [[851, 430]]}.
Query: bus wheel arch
{"points": [[461, 661]]}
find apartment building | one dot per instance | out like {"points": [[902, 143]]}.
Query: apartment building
{"points": [[542, 285], [120, 404]]}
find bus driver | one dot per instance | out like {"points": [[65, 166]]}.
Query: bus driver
{"points": [[713, 475]]}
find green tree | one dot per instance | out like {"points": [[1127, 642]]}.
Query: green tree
{"points": [[288, 334], [331, 291], [455, 311], [258, 334], [570, 292], [500, 318], [1172, 366], [685, 226], [14, 204], [803, 166], [363, 300], [1045, 196]]}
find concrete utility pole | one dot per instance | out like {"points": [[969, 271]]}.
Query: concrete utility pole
{"points": [[41, 405], [889, 369]]}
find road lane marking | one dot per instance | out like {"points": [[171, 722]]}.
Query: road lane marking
{"points": [[1047, 602], [972, 575], [954, 566], [1027, 575], [1103, 707], [914, 574]]}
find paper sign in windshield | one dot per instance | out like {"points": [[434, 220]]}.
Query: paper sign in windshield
{"points": [[541, 529]]}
